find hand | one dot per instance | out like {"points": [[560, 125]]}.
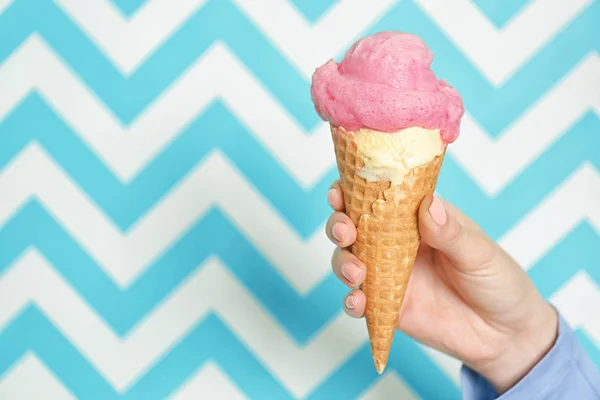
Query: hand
{"points": [[466, 296]]}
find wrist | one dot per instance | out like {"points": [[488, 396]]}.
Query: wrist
{"points": [[523, 349]]}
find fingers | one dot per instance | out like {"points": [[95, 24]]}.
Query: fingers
{"points": [[349, 269], [335, 197], [342, 232], [445, 228], [340, 229], [354, 304], [352, 273]]}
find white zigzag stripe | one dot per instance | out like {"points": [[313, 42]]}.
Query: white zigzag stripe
{"points": [[499, 53], [494, 163], [124, 256], [30, 379], [579, 302], [209, 383], [4, 4], [210, 289], [310, 45], [128, 42], [216, 75], [574, 201], [390, 386]]}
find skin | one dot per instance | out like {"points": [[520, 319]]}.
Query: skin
{"points": [[466, 296]]}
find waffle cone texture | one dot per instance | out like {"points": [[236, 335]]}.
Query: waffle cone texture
{"points": [[387, 236]]}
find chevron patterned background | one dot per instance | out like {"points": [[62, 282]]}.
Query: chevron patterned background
{"points": [[161, 226]]}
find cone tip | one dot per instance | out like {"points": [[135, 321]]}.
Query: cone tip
{"points": [[379, 366]]}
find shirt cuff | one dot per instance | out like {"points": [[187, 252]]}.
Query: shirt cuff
{"points": [[546, 375]]}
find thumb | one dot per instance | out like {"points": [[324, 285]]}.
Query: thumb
{"points": [[445, 228]]}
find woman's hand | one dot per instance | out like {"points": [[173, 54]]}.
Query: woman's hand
{"points": [[466, 296]]}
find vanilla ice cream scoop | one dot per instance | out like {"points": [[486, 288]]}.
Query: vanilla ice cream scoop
{"points": [[389, 156]]}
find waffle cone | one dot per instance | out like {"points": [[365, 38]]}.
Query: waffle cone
{"points": [[387, 236]]}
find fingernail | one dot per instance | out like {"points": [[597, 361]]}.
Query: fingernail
{"points": [[437, 212], [351, 272], [331, 196], [350, 304], [338, 231]]}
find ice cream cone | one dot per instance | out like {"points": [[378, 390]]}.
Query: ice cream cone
{"points": [[391, 120], [387, 235]]}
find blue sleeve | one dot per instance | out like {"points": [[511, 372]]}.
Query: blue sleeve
{"points": [[565, 372]]}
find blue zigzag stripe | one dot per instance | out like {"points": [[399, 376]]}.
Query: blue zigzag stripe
{"points": [[300, 316], [32, 331], [499, 13], [305, 210], [127, 97], [214, 235], [580, 248]]}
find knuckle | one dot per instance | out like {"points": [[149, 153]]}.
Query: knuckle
{"points": [[455, 233], [483, 252]]}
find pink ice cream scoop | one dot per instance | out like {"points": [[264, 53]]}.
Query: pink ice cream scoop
{"points": [[385, 83]]}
